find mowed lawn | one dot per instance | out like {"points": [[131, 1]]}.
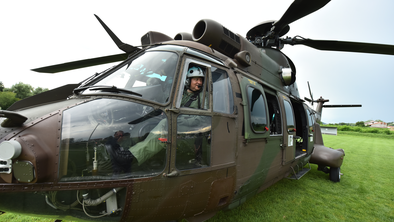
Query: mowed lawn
{"points": [[365, 193]]}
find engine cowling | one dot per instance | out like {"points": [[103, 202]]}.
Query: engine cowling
{"points": [[216, 36]]}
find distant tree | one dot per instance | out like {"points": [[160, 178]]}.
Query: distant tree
{"points": [[360, 123], [21, 90], [7, 99], [17, 92], [378, 120], [39, 90]]}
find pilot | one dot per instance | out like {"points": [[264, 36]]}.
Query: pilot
{"points": [[192, 97], [121, 158]]}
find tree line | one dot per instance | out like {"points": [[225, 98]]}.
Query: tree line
{"points": [[359, 123], [9, 96]]}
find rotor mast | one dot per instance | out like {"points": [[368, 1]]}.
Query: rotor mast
{"points": [[319, 107]]}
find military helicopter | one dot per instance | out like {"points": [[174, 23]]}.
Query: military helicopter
{"points": [[122, 145]]}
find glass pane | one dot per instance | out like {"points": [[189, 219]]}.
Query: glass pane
{"points": [[222, 93], [274, 114], [150, 75], [289, 115], [257, 110], [107, 138], [310, 120], [193, 141]]}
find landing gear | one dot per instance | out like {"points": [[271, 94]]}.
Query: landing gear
{"points": [[335, 174]]}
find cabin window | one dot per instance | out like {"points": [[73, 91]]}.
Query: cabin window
{"points": [[289, 116], [257, 110], [310, 120], [193, 141], [274, 114], [223, 101]]}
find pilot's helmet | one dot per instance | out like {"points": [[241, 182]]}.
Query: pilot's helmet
{"points": [[153, 81], [193, 72]]}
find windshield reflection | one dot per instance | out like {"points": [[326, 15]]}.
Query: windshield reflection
{"points": [[150, 75]]}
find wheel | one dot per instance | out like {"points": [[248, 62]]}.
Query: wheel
{"points": [[335, 174]]}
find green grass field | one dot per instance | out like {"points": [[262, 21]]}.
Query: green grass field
{"points": [[365, 192]]}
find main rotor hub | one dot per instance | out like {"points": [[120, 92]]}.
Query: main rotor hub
{"points": [[262, 34]]}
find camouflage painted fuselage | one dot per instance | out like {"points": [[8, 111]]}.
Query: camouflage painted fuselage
{"points": [[255, 131]]}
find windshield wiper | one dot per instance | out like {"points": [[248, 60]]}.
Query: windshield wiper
{"points": [[115, 90], [106, 89], [152, 114], [76, 91]]}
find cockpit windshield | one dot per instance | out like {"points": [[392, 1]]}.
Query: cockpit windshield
{"points": [[150, 75]]}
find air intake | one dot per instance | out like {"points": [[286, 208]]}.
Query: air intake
{"points": [[216, 36], [183, 36]]}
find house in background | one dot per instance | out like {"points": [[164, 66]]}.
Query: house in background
{"points": [[376, 124]]}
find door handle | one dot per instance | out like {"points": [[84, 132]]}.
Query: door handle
{"points": [[173, 173]]}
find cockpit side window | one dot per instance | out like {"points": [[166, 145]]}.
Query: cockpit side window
{"points": [[195, 92], [223, 101], [193, 149], [193, 141]]}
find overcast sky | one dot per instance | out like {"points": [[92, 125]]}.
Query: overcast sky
{"points": [[40, 33]]}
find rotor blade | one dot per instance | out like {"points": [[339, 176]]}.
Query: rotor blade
{"points": [[297, 10], [307, 99], [122, 46], [310, 93], [343, 46], [340, 106], [81, 63]]}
